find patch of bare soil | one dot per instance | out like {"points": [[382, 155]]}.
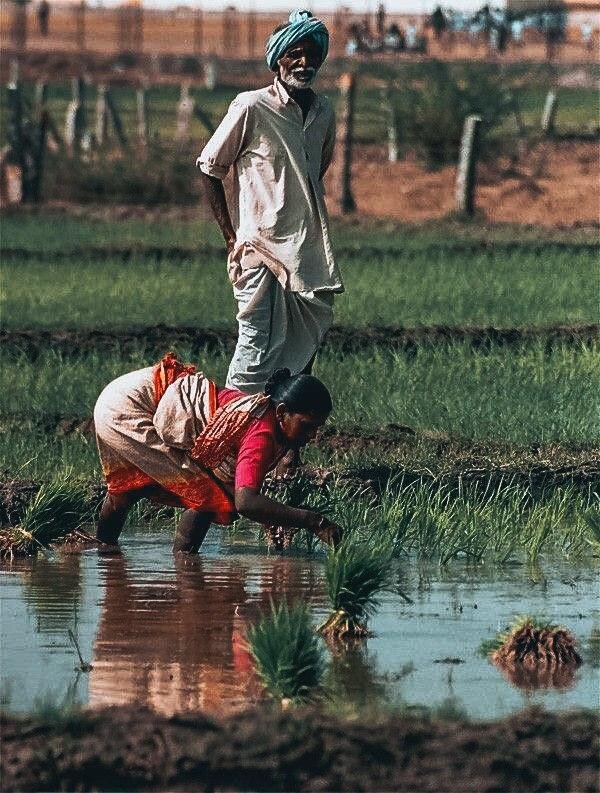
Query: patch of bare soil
{"points": [[134, 749], [555, 185], [348, 339]]}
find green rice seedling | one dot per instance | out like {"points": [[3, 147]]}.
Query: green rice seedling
{"points": [[355, 574], [287, 653], [58, 509], [591, 517]]}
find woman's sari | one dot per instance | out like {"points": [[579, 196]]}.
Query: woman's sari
{"points": [[161, 427]]}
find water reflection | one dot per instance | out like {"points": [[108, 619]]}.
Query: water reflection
{"points": [[52, 588], [173, 643]]}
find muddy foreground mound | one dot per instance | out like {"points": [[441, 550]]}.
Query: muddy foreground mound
{"points": [[134, 749]]}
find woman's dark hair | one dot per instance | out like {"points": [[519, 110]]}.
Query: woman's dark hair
{"points": [[300, 393]]}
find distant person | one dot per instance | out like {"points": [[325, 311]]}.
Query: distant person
{"points": [[410, 36], [516, 31], [394, 38], [43, 15], [169, 434], [279, 142], [438, 22], [380, 22], [587, 37]]}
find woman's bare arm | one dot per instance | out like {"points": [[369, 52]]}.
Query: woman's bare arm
{"points": [[262, 509]]}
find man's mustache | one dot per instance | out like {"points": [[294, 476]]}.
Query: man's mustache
{"points": [[308, 72]]}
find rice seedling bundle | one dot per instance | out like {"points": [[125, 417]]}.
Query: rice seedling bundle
{"points": [[56, 512], [286, 652], [533, 653], [355, 575]]}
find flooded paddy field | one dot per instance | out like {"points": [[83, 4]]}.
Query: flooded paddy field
{"points": [[463, 435], [170, 633]]}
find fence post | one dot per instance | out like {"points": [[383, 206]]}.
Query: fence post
{"points": [[39, 157], [18, 28], [101, 116], [142, 121], [198, 33], [467, 166], [347, 86], [549, 114], [116, 119], [185, 109], [80, 25], [15, 129], [75, 122], [210, 74], [392, 124], [251, 33]]}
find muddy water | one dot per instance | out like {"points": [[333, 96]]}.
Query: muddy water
{"points": [[170, 634]]}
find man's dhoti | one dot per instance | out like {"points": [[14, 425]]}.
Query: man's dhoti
{"points": [[276, 327]]}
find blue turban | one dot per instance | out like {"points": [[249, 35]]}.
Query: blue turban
{"points": [[301, 24]]}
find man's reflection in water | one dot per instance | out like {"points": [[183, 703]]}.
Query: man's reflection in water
{"points": [[179, 644]]}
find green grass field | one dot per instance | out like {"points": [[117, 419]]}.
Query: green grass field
{"points": [[393, 276], [521, 396]]}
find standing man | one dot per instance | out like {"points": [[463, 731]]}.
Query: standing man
{"points": [[279, 141]]}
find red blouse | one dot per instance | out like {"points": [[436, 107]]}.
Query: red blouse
{"points": [[259, 447]]}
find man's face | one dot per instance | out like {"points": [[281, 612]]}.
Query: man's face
{"points": [[298, 66]]}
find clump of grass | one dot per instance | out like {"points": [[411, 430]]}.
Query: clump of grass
{"points": [[57, 512], [355, 575], [287, 653]]}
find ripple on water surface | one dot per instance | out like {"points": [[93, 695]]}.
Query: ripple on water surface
{"points": [[169, 633]]}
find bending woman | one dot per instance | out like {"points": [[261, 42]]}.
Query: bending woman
{"points": [[169, 434]]}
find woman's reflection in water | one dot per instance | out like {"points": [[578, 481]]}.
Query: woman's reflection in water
{"points": [[170, 643]]}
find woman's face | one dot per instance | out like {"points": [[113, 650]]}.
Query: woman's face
{"points": [[297, 429]]}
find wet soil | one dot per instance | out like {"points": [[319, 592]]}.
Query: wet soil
{"points": [[160, 338], [134, 749]]}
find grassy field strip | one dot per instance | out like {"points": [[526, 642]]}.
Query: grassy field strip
{"points": [[52, 230], [442, 289], [497, 522], [521, 395]]}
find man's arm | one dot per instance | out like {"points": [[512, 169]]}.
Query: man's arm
{"points": [[215, 195], [216, 159]]}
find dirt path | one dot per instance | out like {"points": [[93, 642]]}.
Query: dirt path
{"points": [[160, 338], [134, 749]]}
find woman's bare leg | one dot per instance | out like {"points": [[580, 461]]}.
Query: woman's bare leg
{"points": [[113, 514], [191, 531]]}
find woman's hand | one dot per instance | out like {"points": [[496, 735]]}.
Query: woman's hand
{"points": [[327, 530]]}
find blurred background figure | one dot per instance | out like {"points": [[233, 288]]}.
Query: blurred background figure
{"points": [[43, 16]]}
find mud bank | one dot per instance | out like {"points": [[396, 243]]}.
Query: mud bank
{"points": [[160, 338], [135, 749], [581, 471]]}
